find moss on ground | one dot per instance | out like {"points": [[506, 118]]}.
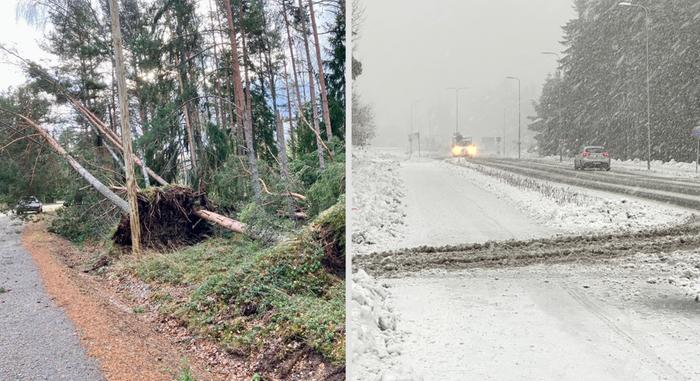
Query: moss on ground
{"points": [[245, 296]]}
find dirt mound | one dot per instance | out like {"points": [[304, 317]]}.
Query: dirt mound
{"points": [[167, 219]]}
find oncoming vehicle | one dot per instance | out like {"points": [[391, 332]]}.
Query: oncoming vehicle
{"points": [[592, 157], [463, 147], [29, 204]]}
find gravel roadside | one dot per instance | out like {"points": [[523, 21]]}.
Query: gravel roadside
{"points": [[37, 340]]}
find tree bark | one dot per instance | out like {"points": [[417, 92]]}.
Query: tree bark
{"points": [[217, 86], [241, 108], [314, 128], [279, 127], [110, 135], [126, 131], [312, 90], [186, 114], [321, 76], [223, 221], [94, 182], [289, 108]]}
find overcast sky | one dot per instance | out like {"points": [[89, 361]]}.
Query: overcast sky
{"points": [[16, 33], [412, 51]]}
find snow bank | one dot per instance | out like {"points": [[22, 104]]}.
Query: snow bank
{"points": [[378, 214], [570, 209], [377, 200], [375, 340]]}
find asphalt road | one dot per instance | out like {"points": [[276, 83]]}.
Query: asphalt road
{"points": [[37, 341]]}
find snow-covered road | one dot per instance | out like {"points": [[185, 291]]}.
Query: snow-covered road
{"points": [[577, 321], [446, 207], [561, 322]]}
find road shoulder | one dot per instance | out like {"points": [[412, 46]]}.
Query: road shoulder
{"points": [[126, 347]]}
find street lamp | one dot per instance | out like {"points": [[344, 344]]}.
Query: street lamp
{"points": [[413, 104], [561, 104], [646, 22], [457, 89], [519, 142]]}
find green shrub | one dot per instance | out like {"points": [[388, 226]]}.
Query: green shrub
{"points": [[263, 223], [85, 216], [242, 295], [325, 191]]}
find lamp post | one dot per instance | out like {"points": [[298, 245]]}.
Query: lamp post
{"points": [[519, 141], [646, 22], [457, 89], [504, 132], [410, 135], [561, 104], [413, 104]]}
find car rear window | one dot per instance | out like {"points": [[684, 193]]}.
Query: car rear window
{"points": [[595, 149]]}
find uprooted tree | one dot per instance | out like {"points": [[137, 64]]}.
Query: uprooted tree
{"points": [[203, 105], [170, 215]]}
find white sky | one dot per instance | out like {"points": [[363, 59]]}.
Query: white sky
{"points": [[413, 50], [16, 33]]}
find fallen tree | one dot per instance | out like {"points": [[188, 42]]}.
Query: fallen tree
{"points": [[168, 218], [177, 200]]}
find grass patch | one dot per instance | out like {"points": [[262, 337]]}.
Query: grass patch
{"points": [[185, 374], [245, 296]]}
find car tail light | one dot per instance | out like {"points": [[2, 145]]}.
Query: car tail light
{"points": [[605, 154], [585, 153]]}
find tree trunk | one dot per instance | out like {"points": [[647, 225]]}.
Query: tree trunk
{"points": [[289, 108], [186, 114], [94, 182], [110, 135], [302, 118], [228, 223], [223, 221], [218, 109], [279, 127], [321, 76], [241, 108], [312, 92], [126, 131], [142, 119]]}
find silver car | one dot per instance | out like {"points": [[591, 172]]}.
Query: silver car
{"points": [[592, 157]]}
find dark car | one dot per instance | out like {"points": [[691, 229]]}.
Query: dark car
{"points": [[29, 204]]}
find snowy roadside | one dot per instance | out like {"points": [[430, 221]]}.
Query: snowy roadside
{"points": [[377, 202], [568, 209], [378, 217]]}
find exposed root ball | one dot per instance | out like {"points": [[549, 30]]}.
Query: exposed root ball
{"points": [[167, 219]]}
